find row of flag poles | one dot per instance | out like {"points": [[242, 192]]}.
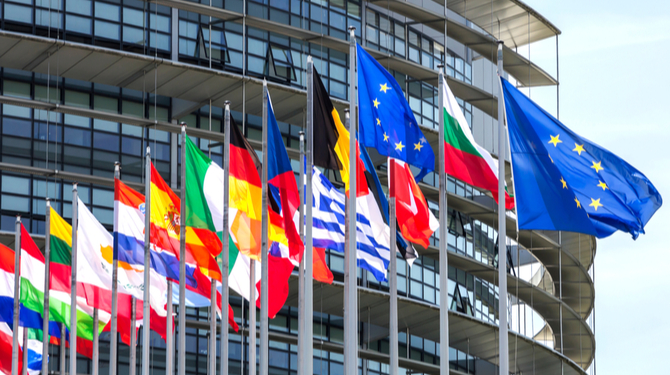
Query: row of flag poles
{"points": [[255, 217]]}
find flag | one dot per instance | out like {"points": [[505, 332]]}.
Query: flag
{"points": [[32, 292], [30, 321], [415, 219], [332, 153], [204, 198], [406, 249], [165, 216], [464, 159], [565, 182], [286, 246], [386, 122], [372, 235], [283, 194], [196, 298], [332, 139], [244, 194], [129, 228]]}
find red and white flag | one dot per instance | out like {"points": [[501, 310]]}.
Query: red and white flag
{"points": [[417, 223]]}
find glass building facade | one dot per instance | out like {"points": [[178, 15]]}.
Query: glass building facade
{"points": [[89, 145]]}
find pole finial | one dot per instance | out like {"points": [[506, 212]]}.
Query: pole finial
{"points": [[440, 66], [74, 186], [226, 103]]}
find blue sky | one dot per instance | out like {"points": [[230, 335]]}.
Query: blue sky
{"points": [[615, 91]]}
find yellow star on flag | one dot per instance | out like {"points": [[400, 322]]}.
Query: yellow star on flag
{"points": [[384, 87], [579, 149], [565, 184], [554, 140], [579, 205], [386, 137], [379, 122], [376, 103], [417, 146], [399, 146], [597, 166], [602, 185], [595, 203]]}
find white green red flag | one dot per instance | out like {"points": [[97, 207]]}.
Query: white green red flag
{"points": [[464, 159]]}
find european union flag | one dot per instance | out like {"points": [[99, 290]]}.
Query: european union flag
{"points": [[565, 182], [386, 121]]}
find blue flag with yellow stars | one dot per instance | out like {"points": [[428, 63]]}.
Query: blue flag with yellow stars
{"points": [[565, 182], [386, 122]]}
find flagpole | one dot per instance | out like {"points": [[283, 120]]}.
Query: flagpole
{"points": [[252, 318], [62, 348], [264, 350], [24, 365], [146, 313], [132, 366], [169, 344], [225, 293], [308, 254], [47, 265], [96, 343], [115, 297], [301, 268], [502, 231], [182, 258], [393, 286], [73, 285], [351, 279], [444, 233], [17, 281]]}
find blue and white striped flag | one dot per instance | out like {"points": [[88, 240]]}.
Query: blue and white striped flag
{"points": [[328, 226]]}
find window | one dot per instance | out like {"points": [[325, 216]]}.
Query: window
{"points": [[279, 63]]}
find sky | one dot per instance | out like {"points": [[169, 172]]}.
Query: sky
{"points": [[615, 91]]}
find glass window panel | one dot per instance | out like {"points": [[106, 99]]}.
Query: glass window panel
{"points": [[83, 122], [16, 89], [12, 203], [16, 127], [16, 185], [18, 13], [78, 24], [77, 99], [82, 7], [107, 11], [77, 137], [107, 30], [13, 110]]}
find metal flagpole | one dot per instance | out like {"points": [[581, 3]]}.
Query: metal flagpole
{"points": [[502, 234], [301, 268], [264, 350], [308, 330], [47, 265], [211, 352], [393, 287], [132, 367], [62, 348], [182, 258], [17, 280], [444, 258], [224, 252], [73, 286], [115, 297], [24, 360], [350, 279], [252, 318], [96, 343], [169, 338], [146, 313]]}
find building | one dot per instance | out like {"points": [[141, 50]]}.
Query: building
{"points": [[86, 83]]}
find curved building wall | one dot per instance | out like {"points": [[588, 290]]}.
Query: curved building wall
{"points": [[88, 143]]}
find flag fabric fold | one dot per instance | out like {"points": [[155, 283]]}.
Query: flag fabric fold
{"points": [[565, 182], [464, 159]]}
